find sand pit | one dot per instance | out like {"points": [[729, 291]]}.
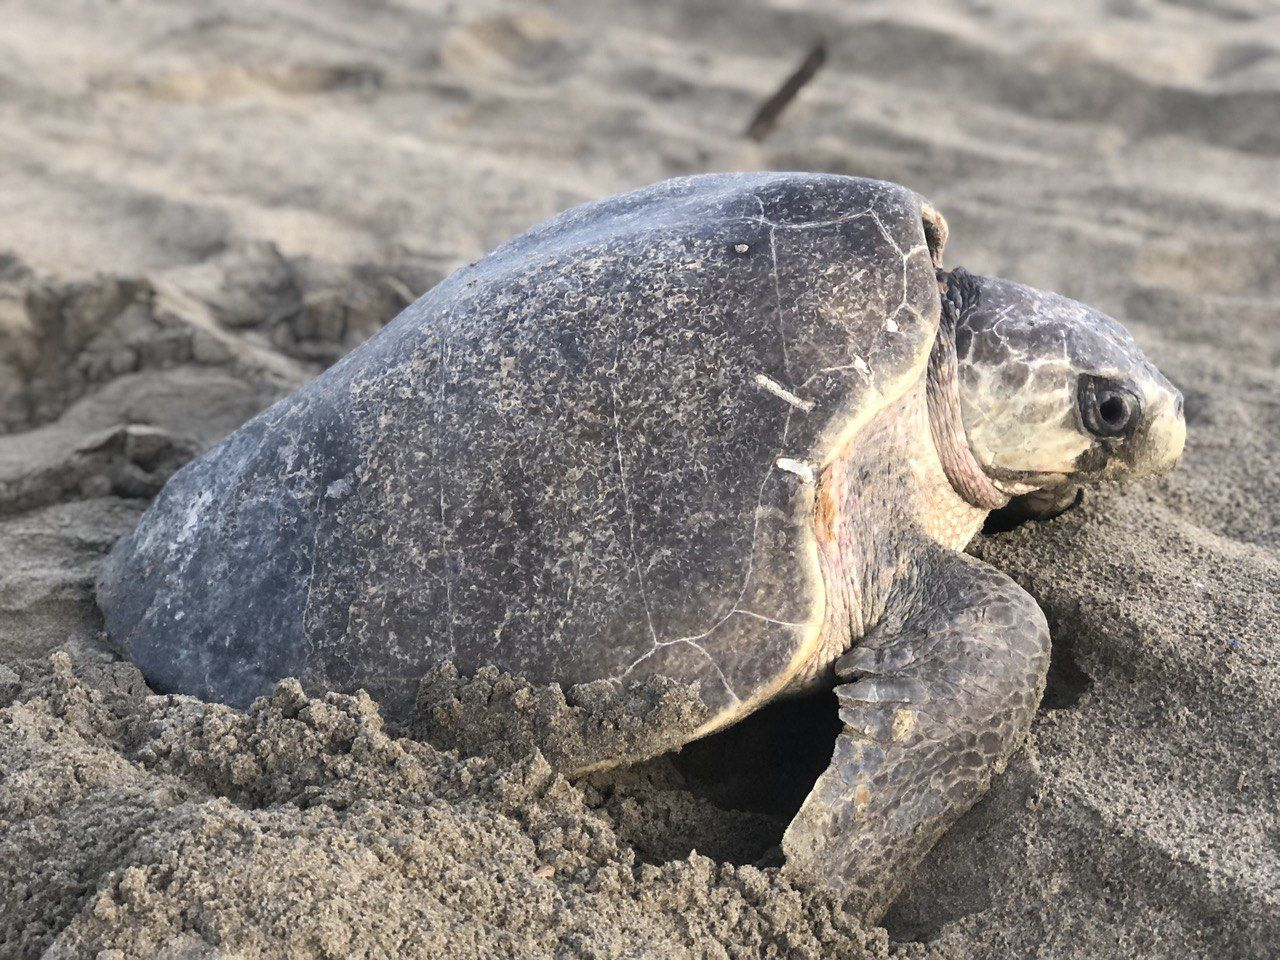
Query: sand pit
{"points": [[202, 206]]}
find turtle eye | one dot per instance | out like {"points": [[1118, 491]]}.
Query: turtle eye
{"points": [[1108, 408]]}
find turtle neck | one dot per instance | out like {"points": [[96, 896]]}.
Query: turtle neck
{"points": [[942, 387]]}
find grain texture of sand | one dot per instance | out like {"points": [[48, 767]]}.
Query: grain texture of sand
{"points": [[203, 204]]}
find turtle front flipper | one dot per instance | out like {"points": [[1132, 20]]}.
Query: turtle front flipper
{"points": [[941, 693]]}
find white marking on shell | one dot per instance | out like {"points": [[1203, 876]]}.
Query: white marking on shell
{"points": [[195, 513], [801, 469], [782, 393]]}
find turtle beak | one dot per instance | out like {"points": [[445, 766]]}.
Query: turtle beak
{"points": [[1157, 444]]}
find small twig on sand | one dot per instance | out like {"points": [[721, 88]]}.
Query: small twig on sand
{"points": [[766, 117]]}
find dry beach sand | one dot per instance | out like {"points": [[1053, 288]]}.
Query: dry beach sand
{"points": [[202, 204]]}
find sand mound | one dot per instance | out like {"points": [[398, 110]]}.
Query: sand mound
{"points": [[165, 826]]}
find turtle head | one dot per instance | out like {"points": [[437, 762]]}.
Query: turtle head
{"points": [[1053, 393]]}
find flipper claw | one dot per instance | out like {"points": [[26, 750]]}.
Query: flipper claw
{"points": [[882, 690]]}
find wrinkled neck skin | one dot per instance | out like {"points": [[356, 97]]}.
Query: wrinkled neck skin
{"points": [[942, 387], [874, 507]]}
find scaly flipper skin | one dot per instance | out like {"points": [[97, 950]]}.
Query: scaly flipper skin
{"points": [[936, 698]]}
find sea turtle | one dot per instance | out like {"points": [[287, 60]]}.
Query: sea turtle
{"points": [[730, 429]]}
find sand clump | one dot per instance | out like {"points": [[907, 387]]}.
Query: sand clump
{"points": [[589, 725], [164, 826]]}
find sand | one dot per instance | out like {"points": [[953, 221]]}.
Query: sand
{"points": [[201, 205]]}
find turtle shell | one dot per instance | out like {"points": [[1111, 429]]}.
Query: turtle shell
{"points": [[588, 455]]}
